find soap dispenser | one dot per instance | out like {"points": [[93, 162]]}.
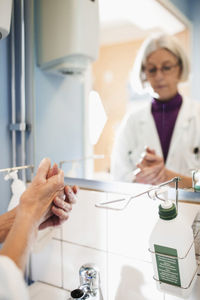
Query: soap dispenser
{"points": [[173, 253], [196, 180]]}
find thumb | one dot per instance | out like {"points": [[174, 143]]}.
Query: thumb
{"points": [[152, 157], [151, 151], [43, 169]]}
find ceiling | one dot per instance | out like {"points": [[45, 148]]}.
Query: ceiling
{"points": [[125, 20]]}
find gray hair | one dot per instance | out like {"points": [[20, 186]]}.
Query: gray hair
{"points": [[160, 41]]}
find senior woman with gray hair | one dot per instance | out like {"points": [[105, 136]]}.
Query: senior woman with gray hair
{"points": [[161, 139]]}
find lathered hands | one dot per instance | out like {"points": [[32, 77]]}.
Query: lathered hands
{"points": [[36, 200], [46, 202], [58, 211], [153, 171], [62, 204], [152, 168]]}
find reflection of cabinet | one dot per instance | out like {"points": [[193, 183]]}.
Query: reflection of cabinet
{"points": [[116, 241]]}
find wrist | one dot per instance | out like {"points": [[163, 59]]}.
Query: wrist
{"points": [[27, 217], [20, 238], [32, 212]]}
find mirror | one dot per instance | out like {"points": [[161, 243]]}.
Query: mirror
{"points": [[123, 28], [123, 31]]}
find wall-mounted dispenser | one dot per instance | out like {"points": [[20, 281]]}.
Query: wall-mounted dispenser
{"points": [[68, 34], [5, 17]]}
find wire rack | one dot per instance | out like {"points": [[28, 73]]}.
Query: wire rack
{"points": [[152, 192]]}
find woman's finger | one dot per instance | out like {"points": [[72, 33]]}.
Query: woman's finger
{"points": [[70, 195], [75, 189], [60, 213], [148, 174], [66, 206], [159, 178]]}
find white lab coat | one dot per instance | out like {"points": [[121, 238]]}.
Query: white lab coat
{"points": [[139, 130], [12, 285]]}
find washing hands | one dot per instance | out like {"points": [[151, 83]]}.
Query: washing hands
{"points": [[61, 206], [151, 168]]}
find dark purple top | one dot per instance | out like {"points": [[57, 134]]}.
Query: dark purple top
{"points": [[165, 114]]}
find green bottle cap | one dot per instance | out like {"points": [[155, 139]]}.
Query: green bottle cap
{"points": [[167, 213], [197, 188]]}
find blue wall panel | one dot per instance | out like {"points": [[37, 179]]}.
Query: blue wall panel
{"points": [[191, 9], [4, 122], [59, 117], [183, 6], [195, 15]]}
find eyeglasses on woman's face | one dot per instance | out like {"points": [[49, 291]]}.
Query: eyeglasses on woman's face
{"points": [[151, 71]]}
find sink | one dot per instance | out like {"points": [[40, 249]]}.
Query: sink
{"points": [[41, 291]]}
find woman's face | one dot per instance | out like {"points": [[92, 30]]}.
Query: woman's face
{"points": [[163, 73]]}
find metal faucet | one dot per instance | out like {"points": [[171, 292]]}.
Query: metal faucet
{"points": [[89, 283]]}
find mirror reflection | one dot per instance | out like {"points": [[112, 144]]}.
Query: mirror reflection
{"points": [[147, 125]]}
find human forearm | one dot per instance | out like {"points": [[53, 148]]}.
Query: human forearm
{"points": [[185, 181], [31, 211], [6, 222], [153, 171], [19, 239]]}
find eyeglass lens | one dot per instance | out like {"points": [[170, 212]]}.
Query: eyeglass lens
{"points": [[151, 71]]}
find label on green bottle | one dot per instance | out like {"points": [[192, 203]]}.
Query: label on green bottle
{"points": [[168, 268]]}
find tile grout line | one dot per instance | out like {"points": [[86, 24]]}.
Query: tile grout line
{"points": [[62, 258], [101, 250]]}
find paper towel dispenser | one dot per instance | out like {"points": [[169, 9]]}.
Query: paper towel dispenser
{"points": [[5, 17], [68, 34]]}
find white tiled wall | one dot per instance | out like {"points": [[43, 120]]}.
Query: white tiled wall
{"points": [[88, 224], [195, 295], [46, 264], [74, 257], [131, 279], [116, 241], [129, 230]]}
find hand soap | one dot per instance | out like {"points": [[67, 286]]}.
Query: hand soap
{"points": [[173, 253]]}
